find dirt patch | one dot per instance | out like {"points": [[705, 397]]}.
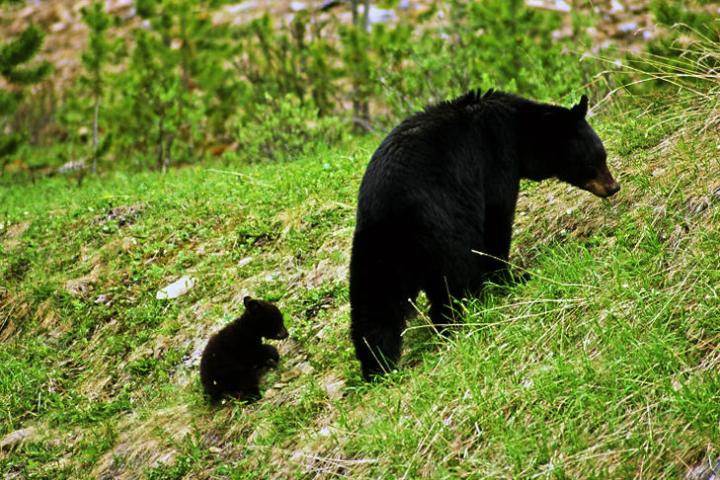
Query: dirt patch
{"points": [[13, 310], [146, 445], [13, 234], [123, 215], [82, 286], [13, 439]]}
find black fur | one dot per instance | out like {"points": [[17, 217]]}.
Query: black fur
{"points": [[235, 358], [443, 183]]}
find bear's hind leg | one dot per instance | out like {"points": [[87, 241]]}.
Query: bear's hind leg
{"points": [[442, 312]]}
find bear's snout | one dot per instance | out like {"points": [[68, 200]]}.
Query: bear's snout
{"points": [[613, 188], [281, 335], [603, 186]]}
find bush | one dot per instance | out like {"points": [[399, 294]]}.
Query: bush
{"points": [[281, 129]]}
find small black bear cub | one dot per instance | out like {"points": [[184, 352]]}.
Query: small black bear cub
{"points": [[235, 358], [444, 183]]}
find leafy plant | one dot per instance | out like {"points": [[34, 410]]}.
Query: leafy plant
{"points": [[14, 58]]}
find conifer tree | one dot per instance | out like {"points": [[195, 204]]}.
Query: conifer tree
{"points": [[14, 69], [94, 59]]}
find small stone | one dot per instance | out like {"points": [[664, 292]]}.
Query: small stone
{"points": [[333, 387], [245, 261], [102, 299], [554, 5], [58, 27], [708, 469], [698, 205], [305, 368], [271, 277], [676, 385], [127, 243], [716, 193], [628, 27]]}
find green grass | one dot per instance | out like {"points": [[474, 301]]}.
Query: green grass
{"points": [[603, 365]]}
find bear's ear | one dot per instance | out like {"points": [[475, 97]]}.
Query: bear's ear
{"points": [[580, 110], [248, 302]]}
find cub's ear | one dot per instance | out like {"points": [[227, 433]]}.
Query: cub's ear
{"points": [[249, 302], [580, 110]]}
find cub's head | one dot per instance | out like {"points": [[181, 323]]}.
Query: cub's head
{"points": [[581, 154], [265, 318]]}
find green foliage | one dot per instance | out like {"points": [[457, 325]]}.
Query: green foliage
{"points": [[96, 55], [356, 57], [686, 12], [689, 46], [274, 61], [189, 87], [283, 128], [14, 56], [269, 87], [20, 51], [174, 86], [503, 45]]}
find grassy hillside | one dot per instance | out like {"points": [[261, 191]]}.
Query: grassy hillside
{"points": [[603, 365]]}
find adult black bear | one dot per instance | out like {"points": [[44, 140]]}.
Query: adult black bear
{"points": [[443, 183], [235, 358]]}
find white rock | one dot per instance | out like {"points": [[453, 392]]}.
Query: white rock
{"points": [[380, 15], [628, 27], [177, 288], [240, 7], [555, 5]]}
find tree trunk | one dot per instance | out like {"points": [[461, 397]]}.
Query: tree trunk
{"points": [[366, 17], [354, 4], [168, 152], [161, 142], [96, 115], [361, 109]]}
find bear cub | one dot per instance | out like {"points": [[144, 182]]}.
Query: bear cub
{"points": [[235, 358], [444, 185]]}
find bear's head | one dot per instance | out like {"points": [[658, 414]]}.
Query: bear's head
{"points": [[581, 156], [265, 319], [563, 145]]}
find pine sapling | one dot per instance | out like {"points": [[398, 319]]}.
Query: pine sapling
{"points": [[94, 59]]}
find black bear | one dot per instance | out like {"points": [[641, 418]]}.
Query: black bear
{"points": [[444, 183], [235, 358]]}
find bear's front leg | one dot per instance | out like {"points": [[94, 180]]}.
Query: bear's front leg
{"points": [[376, 334], [498, 237], [269, 356]]}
